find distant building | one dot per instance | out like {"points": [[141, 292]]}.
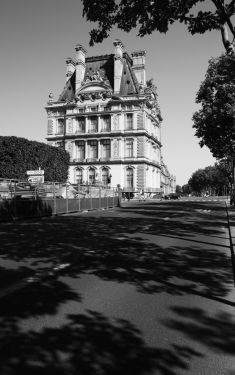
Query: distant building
{"points": [[168, 181], [108, 119]]}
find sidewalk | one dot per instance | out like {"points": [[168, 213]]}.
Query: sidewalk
{"points": [[231, 226]]}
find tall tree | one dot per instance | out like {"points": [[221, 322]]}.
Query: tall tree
{"points": [[213, 122], [148, 16], [198, 181]]}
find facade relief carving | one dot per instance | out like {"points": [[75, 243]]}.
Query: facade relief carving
{"points": [[94, 95], [70, 148], [70, 126], [115, 148], [116, 122], [93, 76], [50, 126]]}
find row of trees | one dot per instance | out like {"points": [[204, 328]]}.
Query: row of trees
{"points": [[212, 180], [17, 155]]}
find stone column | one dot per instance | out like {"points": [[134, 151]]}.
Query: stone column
{"points": [[70, 67], [80, 64], [118, 64]]}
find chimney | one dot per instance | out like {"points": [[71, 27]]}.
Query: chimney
{"points": [[71, 64], [80, 64], [118, 64], [138, 67]]}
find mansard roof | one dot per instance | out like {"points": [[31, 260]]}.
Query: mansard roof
{"points": [[68, 92], [129, 84], [105, 66]]}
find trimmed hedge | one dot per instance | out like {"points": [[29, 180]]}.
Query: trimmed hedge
{"points": [[17, 155]]}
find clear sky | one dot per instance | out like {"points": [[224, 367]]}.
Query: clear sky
{"points": [[37, 36]]}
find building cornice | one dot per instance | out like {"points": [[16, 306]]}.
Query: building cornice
{"points": [[121, 161], [120, 134]]}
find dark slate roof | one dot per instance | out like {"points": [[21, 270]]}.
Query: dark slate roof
{"points": [[129, 84], [69, 89], [105, 65]]}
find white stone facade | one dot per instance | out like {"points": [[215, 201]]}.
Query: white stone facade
{"points": [[108, 119]]}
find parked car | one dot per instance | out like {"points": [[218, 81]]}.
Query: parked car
{"points": [[166, 197], [174, 196]]}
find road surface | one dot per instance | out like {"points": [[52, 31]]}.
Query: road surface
{"points": [[146, 289]]}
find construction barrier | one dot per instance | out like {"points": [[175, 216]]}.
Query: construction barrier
{"points": [[21, 201]]}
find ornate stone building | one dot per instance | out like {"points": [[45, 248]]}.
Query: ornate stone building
{"points": [[107, 118], [168, 181]]}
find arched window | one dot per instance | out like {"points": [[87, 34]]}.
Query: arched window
{"points": [[91, 176], [79, 176], [104, 175], [129, 177]]}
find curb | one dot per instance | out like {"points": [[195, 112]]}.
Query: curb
{"points": [[231, 230]]}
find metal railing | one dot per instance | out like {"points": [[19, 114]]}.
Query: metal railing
{"points": [[52, 198]]}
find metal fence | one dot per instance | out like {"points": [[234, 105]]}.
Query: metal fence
{"points": [[22, 199]]}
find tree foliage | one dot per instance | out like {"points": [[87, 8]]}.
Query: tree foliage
{"points": [[186, 189], [214, 179], [178, 189], [150, 15], [17, 155], [214, 121]]}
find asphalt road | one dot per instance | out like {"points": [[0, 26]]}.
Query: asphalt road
{"points": [[146, 289]]}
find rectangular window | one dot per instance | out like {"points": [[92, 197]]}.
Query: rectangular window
{"points": [[80, 150], [105, 148], [93, 124], [60, 127], [105, 124], [129, 148], [80, 125], [93, 149], [129, 121], [81, 110]]}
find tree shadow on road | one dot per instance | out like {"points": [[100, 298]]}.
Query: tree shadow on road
{"points": [[183, 219], [89, 344], [114, 248], [110, 247], [213, 331]]}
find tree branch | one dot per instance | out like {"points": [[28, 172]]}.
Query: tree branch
{"points": [[218, 4]]}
